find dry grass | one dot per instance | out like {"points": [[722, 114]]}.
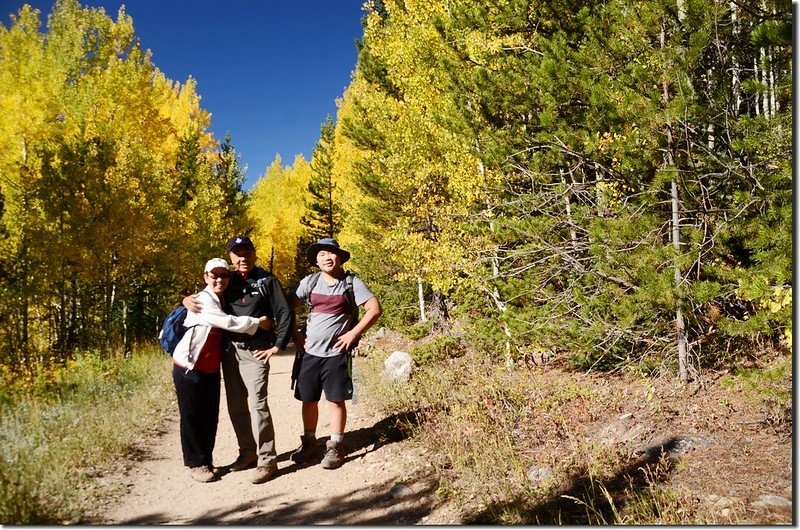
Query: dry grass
{"points": [[58, 439], [539, 445]]}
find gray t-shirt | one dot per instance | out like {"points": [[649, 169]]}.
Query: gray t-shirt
{"points": [[330, 314]]}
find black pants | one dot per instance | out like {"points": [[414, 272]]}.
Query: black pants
{"points": [[198, 403]]}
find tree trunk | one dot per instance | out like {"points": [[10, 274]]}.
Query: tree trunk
{"points": [[421, 298], [757, 99], [439, 311], [764, 82], [681, 10], [680, 327], [736, 79], [568, 209], [126, 339], [22, 330], [501, 306], [24, 305]]}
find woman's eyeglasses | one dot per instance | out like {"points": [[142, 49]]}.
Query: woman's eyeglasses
{"points": [[222, 276]]}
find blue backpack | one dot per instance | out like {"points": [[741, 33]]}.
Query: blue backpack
{"points": [[173, 329]]}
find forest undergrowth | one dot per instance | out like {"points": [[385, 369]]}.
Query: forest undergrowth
{"points": [[64, 430], [546, 444], [534, 444]]}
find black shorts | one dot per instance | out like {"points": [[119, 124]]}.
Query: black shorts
{"points": [[324, 373]]}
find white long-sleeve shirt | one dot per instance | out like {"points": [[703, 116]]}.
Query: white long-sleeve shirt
{"points": [[200, 324]]}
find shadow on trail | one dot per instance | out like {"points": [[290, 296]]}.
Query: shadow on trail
{"points": [[381, 505], [360, 442]]}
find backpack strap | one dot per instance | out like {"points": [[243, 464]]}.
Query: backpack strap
{"points": [[349, 293], [312, 282]]}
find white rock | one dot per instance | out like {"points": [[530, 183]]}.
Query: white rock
{"points": [[538, 475], [773, 500], [398, 366]]}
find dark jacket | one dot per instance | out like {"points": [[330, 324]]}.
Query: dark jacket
{"points": [[245, 298]]}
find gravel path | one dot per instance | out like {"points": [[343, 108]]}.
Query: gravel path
{"points": [[374, 486]]}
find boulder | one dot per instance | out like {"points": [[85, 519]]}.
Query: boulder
{"points": [[398, 366]]}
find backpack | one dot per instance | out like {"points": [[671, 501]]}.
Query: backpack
{"points": [[350, 296], [173, 329]]}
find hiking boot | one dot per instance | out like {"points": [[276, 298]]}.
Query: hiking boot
{"points": [[244, 462], [308, 450], [262, 474], [333, 455], [203, 474]]}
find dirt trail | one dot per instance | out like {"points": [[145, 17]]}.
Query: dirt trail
{"points": [[374, 486]]}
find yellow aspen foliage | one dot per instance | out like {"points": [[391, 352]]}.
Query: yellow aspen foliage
{"points": [[427, 168], [277, 207], [346, 158], [103, 161]]}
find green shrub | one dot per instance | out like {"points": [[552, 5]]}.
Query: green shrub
{"points": [[417, 331], [438, 349]]}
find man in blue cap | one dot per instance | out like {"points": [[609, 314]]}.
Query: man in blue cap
{"points": [[253, 292], [332, 331]]}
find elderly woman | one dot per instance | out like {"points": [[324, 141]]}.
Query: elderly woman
{"points": [[196, 370]]}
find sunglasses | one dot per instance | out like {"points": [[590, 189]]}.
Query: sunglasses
{"points": [[223, 276]]}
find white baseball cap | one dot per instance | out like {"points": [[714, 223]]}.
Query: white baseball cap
{"points": [[216, 263]]}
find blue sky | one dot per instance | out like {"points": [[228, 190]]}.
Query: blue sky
{"points": [[269, 71]]}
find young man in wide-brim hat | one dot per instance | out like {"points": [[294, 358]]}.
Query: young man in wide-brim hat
{"points": [[332, 331]]}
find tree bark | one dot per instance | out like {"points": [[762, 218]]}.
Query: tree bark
{"points": [[680, 326], [421, 298]]}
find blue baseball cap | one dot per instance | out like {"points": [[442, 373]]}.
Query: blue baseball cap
{"points": [[239, 241]]}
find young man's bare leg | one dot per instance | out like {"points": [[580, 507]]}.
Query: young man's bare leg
{"points": [[310, 413], [308, 449], [338, 411]]}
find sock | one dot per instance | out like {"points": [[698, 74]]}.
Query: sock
{"points": [[310, 433], [336, 437]]}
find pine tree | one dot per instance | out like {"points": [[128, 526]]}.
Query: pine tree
{"points": [[230, 179], [612, 156], [187, 168], [323, 215]]}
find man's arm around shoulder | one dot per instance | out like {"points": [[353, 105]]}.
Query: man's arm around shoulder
{"points": [[281, 312]]}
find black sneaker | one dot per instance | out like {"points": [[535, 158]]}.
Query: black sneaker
{"points": [[308, 450], [333, 455]]}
